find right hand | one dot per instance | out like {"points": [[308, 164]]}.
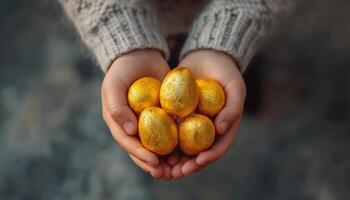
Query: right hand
{"points": [[117, 114]]}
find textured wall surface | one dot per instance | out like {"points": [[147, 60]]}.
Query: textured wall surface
{"points": [[54, 144]]}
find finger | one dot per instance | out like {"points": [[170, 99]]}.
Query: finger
{"points": [[176, 171], [189, 167], [167, 170], [145, 167], [156, 172], [114, 91], [173, 158], [219, 147], [130, 143], [232, 111]]}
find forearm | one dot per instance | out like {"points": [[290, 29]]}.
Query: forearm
{"points": [[235, 27], [111, 28]]}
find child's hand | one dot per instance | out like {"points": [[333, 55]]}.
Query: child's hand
{"points": [[220, 67], [117, 114]]}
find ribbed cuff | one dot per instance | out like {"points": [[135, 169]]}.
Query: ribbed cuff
{"points": [[233, 29]]}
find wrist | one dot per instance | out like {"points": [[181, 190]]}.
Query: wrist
{"points": [[145, 56], [204, 57]]}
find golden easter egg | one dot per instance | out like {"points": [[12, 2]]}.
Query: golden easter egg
{"points": [[179, 92], [211, 97], [157, 131], [144, 93], [196, 134]]}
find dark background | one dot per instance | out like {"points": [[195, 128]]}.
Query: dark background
{"points": [[293, 143]]}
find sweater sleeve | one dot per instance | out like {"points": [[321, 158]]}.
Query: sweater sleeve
{"points": [[235, 27], [111, 28]]}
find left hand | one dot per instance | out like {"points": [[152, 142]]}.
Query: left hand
{"points": [[222, 68]]}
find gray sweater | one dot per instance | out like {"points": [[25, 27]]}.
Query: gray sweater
{"points": [[111, 28]]}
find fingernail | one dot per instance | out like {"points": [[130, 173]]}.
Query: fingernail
{"points": [[128, 127], [200, 160], [224, 126], [185, 170]]}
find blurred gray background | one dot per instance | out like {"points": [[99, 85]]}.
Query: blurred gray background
{"points": [[293, 143]]}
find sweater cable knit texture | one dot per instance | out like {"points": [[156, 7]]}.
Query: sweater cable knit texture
{"points": [[111, 28], [235, 27]]}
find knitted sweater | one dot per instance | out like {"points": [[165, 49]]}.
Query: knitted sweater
{"points": [[111, 28]]}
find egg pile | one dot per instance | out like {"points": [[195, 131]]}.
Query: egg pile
{"points": [[178, 98]]}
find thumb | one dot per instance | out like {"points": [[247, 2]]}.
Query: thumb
{"points": [[232, 111], [115, 91]]}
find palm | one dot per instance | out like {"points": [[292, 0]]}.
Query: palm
{"points": [[219, 67]]}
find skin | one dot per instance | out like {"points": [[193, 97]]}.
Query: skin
{"points": [[220, 67], [122, 122]]}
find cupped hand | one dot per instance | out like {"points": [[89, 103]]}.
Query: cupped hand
{"points": [[222, 68], [118, 116]]}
